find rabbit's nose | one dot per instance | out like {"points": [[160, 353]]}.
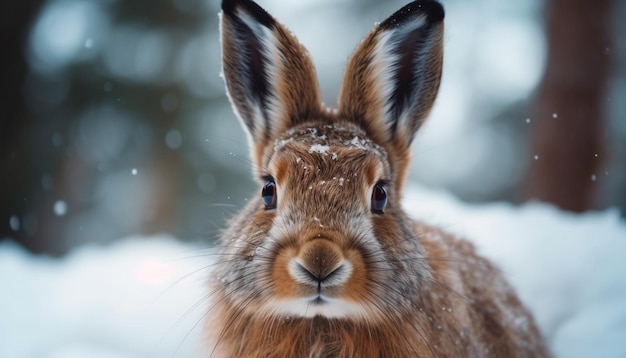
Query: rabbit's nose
{"points": [[320, 263], [334, 278]]}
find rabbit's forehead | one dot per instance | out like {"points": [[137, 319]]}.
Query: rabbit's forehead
{"points": [[325, 140], [298, 161], [328, 150]]}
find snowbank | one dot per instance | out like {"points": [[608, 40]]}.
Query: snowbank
{"points": [[569, 269], [144, 297]]}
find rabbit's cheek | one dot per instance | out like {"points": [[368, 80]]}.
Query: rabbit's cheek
{"points": [[355, 288]]}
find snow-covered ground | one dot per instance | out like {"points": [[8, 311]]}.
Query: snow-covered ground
{"points": [[144, 297]]}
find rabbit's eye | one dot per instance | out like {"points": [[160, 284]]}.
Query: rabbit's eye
{"points": [[268, 194], [379, 198]]}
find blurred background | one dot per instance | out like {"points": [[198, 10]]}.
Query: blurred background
{"points": [[114, 121]]}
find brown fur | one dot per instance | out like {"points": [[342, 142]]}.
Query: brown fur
{"points": [[459, 317], [322, 274]]}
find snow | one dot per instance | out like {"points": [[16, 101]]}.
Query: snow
{"points": [[357, 142], [136, 298], [319, 148], [568, 268], [14, 223], [146, 297], [60, 208]]}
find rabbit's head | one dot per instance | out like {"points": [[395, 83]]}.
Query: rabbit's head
{"points": [[326, 235]]}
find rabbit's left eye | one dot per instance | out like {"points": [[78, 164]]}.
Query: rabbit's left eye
{"points": [[268, 194], [379, 198]]}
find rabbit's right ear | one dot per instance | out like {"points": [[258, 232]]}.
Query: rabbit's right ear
{"points": [[269, 76]]}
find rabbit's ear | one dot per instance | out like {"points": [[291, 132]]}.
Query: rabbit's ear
{"points": [[269, 76], [392, 78]]}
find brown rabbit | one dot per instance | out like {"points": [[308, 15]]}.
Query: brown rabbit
{"points": [[325, 263]]}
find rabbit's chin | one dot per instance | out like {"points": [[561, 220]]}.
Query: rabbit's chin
{"points": [[316, 306]]}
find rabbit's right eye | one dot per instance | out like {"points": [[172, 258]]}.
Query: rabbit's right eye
{"points": [[268, 194]]}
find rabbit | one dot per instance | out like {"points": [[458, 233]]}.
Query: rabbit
{"points": [[325, 262]]}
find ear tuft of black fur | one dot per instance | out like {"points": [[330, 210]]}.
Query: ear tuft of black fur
{"points": [[229, 7], [432, 9]]}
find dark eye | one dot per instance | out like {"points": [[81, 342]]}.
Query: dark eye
{"points": [[379, 198], [268, 194]]}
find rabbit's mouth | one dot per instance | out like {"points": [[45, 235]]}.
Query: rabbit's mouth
{"points": [[316, 306]]}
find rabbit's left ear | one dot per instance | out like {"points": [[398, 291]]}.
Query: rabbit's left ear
{"points": [[269, 76], [392, 78]]}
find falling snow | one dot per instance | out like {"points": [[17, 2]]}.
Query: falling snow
{"points": [[60, 208], [173, 139], [14, 223]]}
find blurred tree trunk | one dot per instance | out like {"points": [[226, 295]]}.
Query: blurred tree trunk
{"points": [[15, 21], [569, 110]]}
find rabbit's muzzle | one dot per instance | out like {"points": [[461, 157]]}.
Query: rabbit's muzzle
{"points": [[320, 268]]}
